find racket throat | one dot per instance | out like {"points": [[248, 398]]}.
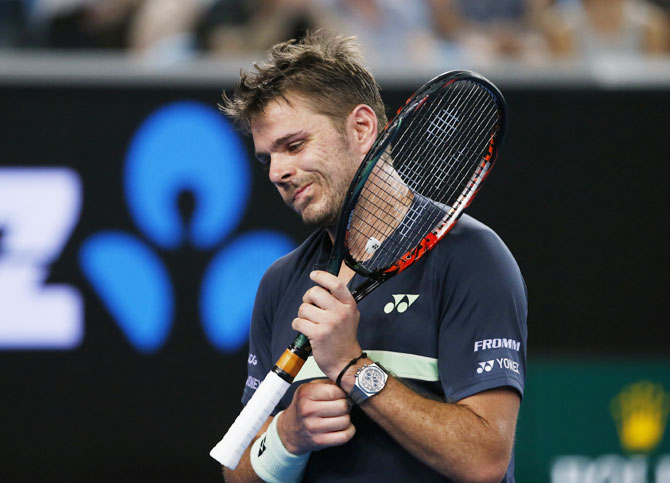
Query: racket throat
{"points": [[365, 288], [291, 361]]}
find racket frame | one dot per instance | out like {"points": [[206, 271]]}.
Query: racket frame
{"points": [[404, 115]]}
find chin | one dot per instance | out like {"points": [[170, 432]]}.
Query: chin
{"points": [[321, 220], [322, 213]]}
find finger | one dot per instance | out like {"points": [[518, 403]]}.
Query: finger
{"points": [[321, 380], [325, 409], [305, 327], [319, 297], [328, 425], [311, 312], [334, 409], [335, 438], [324, 390], [333, 284]]}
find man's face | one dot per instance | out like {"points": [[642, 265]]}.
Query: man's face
{"points": [[310, 161]]}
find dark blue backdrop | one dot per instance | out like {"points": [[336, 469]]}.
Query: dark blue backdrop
{"points": [[150, 383]]}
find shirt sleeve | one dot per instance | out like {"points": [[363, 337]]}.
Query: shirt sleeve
{"points": [[483, 333], [259, 361]]}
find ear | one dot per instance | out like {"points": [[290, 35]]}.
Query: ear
{"points": [[362, 128]]}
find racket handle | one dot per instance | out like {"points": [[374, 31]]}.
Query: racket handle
{"points": [[229, 450]]}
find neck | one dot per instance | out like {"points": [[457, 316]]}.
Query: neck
{"points": [[345, 274]]}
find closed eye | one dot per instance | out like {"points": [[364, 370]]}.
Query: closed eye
{"points": [[284, 143], [296, 146]]}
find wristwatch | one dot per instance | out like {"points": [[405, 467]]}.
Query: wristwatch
{"points": [[370, 380]]}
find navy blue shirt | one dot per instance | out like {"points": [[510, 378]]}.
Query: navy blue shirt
{"points": [[450, 326]]}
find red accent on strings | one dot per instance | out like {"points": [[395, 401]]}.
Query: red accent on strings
{"points": [[431, 239]]}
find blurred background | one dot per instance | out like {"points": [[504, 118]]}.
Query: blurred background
{"points": [[135, 224]]}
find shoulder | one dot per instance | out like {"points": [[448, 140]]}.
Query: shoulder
{"points": [[296, 261], [471, 238], [468, 227], [474, 252]]}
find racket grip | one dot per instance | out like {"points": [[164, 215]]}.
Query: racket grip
{"points": [[229, 450]]}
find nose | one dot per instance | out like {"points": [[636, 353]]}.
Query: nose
{"points": [[281, 168]]}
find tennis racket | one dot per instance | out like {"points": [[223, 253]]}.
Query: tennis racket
{"points": [[412, 186]]}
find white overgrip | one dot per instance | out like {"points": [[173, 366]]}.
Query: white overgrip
{"points": [[230, 449]]}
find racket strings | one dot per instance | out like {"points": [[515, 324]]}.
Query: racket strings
{"points": [[375, 214], [435, 167], [425, 172], [415, 222], [471, 149], [462, 148]]}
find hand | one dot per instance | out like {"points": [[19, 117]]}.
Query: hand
{"points": [[329, 318], [318, 417]]}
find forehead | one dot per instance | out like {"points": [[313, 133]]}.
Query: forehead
{"points": [[284, 114], [279, 108]]}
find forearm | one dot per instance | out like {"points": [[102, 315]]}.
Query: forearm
{"points": [[244, 473], [454, 439], [451, 438]]}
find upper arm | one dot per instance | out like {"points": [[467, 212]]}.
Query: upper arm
{"points": [[483, 333]]}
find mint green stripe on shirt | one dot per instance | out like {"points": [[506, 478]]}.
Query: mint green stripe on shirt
{"points": [[409, 366]]}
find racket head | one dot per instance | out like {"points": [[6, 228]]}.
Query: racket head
{"points": [[423, 170]]}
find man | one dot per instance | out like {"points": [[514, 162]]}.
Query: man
{"points": [[449, 333]]}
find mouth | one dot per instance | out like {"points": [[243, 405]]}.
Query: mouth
{"points": [[300, 193]]}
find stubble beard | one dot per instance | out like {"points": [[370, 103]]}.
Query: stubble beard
{"points": [[325, 213], [328, 215]]}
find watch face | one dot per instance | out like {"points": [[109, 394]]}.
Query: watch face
{"points": [[372, 379]]}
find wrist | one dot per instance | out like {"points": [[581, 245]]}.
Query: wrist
{"points": [[347, 369], [349, 377], [287, 438], [272, 461]]}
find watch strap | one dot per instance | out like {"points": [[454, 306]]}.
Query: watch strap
{"points": [[357, 396], [351, 363]]}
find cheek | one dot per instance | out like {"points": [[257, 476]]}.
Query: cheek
{"points": [[322, 160], [345, 173]]}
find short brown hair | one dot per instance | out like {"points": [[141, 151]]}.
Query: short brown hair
{"points": [[324, 69]]}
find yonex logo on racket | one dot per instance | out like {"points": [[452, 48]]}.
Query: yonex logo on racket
{"points": [[401, 302], [372, 245]]}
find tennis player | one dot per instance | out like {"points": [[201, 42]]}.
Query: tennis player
{"points": [[422, 380]]}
